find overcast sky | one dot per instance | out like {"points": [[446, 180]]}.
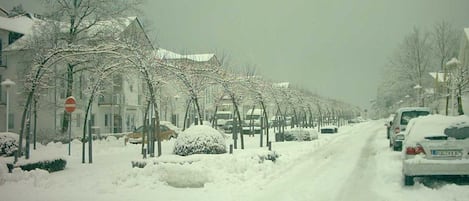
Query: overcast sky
{"points": [[337, 48]]}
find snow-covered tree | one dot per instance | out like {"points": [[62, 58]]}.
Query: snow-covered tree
{"points": [[76, 22]]}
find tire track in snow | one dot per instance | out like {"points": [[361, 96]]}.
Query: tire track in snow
{"points": [[327, 174], [358, 186]]}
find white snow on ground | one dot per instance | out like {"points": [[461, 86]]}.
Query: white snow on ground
{"points": [[354, 164]]}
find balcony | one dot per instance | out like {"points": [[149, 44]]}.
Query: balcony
{"points": [[108, 99]]}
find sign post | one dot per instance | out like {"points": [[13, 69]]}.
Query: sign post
{"points": [[70, 106]]}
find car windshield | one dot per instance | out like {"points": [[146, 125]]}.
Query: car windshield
{"points": [[407, 116], [223, 116]]}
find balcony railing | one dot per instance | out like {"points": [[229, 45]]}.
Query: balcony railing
{"points": [[115, 99]]}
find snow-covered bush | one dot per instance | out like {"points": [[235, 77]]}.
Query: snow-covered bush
{"points": [[271, 156], [300, 134], [8, 143], [201, 139], [48, 165]]}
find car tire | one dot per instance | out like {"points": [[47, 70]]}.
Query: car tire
{"points": [[408, 180]]}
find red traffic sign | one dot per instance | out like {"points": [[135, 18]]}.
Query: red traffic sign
{"points": [[70, 104]]}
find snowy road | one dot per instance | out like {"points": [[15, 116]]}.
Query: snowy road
{"points": [[354, 164], [344, 169]]}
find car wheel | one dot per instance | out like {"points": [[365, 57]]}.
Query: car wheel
{"points": [[408, 180]]}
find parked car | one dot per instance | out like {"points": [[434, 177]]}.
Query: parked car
{"points": [[399, 124], [250, 130], [436, 145], [329, 129], [136, 136], [228, 126]]}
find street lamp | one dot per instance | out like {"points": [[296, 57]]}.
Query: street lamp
{"points": [[7, 84], [452, 66]]}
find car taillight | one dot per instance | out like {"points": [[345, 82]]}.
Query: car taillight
{"points": [[397, 130], [415, 150]]}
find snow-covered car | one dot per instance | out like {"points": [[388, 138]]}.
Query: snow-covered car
{"points": [[329, 129], [399, 124], [436, 145], [136, 137]]}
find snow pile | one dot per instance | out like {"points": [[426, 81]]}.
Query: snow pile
{"points": [[201, 139], [8, 143]]}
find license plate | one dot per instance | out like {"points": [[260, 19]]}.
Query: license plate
{"points": [[446, 152]]}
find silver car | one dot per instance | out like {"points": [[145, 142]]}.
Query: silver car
{"points": [[399, 124], [436, 145]]}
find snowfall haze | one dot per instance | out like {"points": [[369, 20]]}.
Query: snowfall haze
{"points": [[338, 49]]}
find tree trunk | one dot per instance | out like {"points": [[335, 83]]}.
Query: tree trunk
{"points": [[266, 124], [197, 107], [68, 94], [185, 115]]}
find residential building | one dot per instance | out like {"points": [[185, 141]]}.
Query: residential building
{"points": [[118, 109]]}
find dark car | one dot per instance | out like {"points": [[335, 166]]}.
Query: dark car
{"points": [[228, 126]]}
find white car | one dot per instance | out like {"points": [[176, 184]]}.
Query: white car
{"points": [[436, 145], [399, 124]]}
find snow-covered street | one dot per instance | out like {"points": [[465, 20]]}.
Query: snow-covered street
{"points": [[354, 164]]}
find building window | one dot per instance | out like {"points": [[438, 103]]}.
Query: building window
{"points": [[92, 120], [106, 119], [1, 50], [78, 116], [1, 88], [11, 122]]}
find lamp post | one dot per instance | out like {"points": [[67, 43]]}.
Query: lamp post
{"points": [[7, 84], [452, 66]]}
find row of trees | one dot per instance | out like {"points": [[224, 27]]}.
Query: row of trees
{"points": [[95, 37], [407, 78]]}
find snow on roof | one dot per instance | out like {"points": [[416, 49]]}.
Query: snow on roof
{"points": [[116, 25], [414, 109], [166, 54], [19, 24], [453, 62], [439, 76], [282, 84]]}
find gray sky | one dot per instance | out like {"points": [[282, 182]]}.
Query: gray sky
{"points": [[337, 48]]}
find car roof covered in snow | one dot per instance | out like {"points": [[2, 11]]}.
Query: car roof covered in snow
{"points": [[431, 125]]}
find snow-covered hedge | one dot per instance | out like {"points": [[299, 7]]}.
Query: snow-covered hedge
{"points": [[300, 134], [201, 139], [8, 143], [48, 165]]}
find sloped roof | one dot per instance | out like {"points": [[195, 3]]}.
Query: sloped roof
{"points": [[166, 54], [19, 24]]}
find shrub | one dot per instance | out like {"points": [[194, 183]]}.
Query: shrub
{"points": [[200, 139], [8, 143], [300, 134], [49, 165], [271, 156]]}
